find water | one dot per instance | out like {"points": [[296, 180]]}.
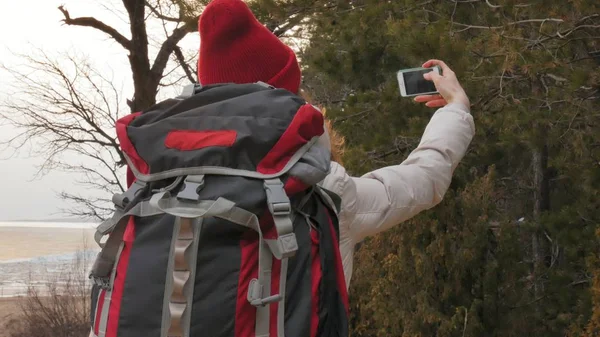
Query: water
{"points": [[38, 254], [40, 224]]}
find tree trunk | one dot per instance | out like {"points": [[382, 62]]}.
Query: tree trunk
{"points": [[143, 82], [541, 204]]}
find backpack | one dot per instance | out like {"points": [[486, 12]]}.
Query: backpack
{"points": [[225, 231]]}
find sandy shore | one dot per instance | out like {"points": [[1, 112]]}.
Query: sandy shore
{"points": [[41, 256], [29, 242], [9, 307]]}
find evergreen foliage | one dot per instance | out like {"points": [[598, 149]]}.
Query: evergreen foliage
{"points": [[512, 249]]}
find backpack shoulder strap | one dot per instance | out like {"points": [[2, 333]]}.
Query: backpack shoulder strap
{"points": [[332, 199]]}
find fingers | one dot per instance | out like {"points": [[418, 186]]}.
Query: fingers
{"points": [[440, 63], [432, 101], [427, 98], [436, 103]]}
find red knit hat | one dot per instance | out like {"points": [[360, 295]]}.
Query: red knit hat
{"points": [[236, 48]]}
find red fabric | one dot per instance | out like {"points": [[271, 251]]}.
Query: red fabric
{"points": [[294, 185], [126, 144], [187, 140], [307, 123], [99, 306], [341, 279], [275, 274], [245, 313], [236, 48], [316, 275], [267, 226], [130, 177], [119, 283]]}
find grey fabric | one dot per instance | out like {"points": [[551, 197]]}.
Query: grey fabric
{"points": [[298, 301], [254, 117], [199, 170], [314, 165], [259, 289], [145, 277], [107, 257]]}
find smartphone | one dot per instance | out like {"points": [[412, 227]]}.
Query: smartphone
{"points": [[412, 83]]}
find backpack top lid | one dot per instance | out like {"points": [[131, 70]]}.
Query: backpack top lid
{"points": [[247, 130]]}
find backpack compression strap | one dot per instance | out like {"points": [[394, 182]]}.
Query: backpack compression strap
{"points": [[187, 206], [259, 290]]}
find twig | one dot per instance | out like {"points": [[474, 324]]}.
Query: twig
{"points": [[162, 16], [507, 24], [182, 62], [466, 318], [97, 24], [344, 118]]}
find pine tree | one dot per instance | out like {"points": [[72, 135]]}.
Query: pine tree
{"points": [[508, 251]]}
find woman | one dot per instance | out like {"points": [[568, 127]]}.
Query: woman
{"points": [[235, 47]]}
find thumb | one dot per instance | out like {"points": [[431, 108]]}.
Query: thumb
{"points": [[432, 76]]}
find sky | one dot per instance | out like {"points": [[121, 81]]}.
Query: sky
{"points": [[37, 24]]}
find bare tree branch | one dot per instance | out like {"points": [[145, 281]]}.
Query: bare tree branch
{"points": [[184, 64], [157, 12], [169, 45], [67, 111], [97, 24]]}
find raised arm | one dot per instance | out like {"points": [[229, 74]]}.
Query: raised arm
{"points": [[388, 196]]}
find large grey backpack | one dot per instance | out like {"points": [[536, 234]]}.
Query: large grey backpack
{"points": [[224, 232]]}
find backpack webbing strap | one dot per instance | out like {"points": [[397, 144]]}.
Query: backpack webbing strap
{"points": [[141, 209], [280, 207], [185, 209], [123, 201], [181, 273], [102, 325], [106, 259], [282, 248], [259, 290], [261, 287], [332, 199]]}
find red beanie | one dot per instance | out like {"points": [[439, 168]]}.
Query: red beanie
{"points": [[236, 48]]}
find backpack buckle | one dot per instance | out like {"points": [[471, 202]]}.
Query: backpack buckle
{"points": [[190, 90], [191, 187], [121, 200], [255, 292], [101, 282], [277, 199]]}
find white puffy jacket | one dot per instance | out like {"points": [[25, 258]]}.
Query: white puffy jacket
{"points": [[388, 196]]}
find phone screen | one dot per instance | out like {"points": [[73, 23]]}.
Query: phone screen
{"points": [[414, 82]]}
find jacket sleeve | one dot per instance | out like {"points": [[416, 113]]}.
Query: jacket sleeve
{"points": [[388, 196]]}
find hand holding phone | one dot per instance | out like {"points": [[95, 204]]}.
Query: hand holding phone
{"points": [[413, 83], [447, 88]]}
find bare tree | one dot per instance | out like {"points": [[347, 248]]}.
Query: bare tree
{"points": [[68, 109], [147, 74]]}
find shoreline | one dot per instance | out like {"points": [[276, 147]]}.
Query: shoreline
{"points": [[44, 255], [29, 242]]}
